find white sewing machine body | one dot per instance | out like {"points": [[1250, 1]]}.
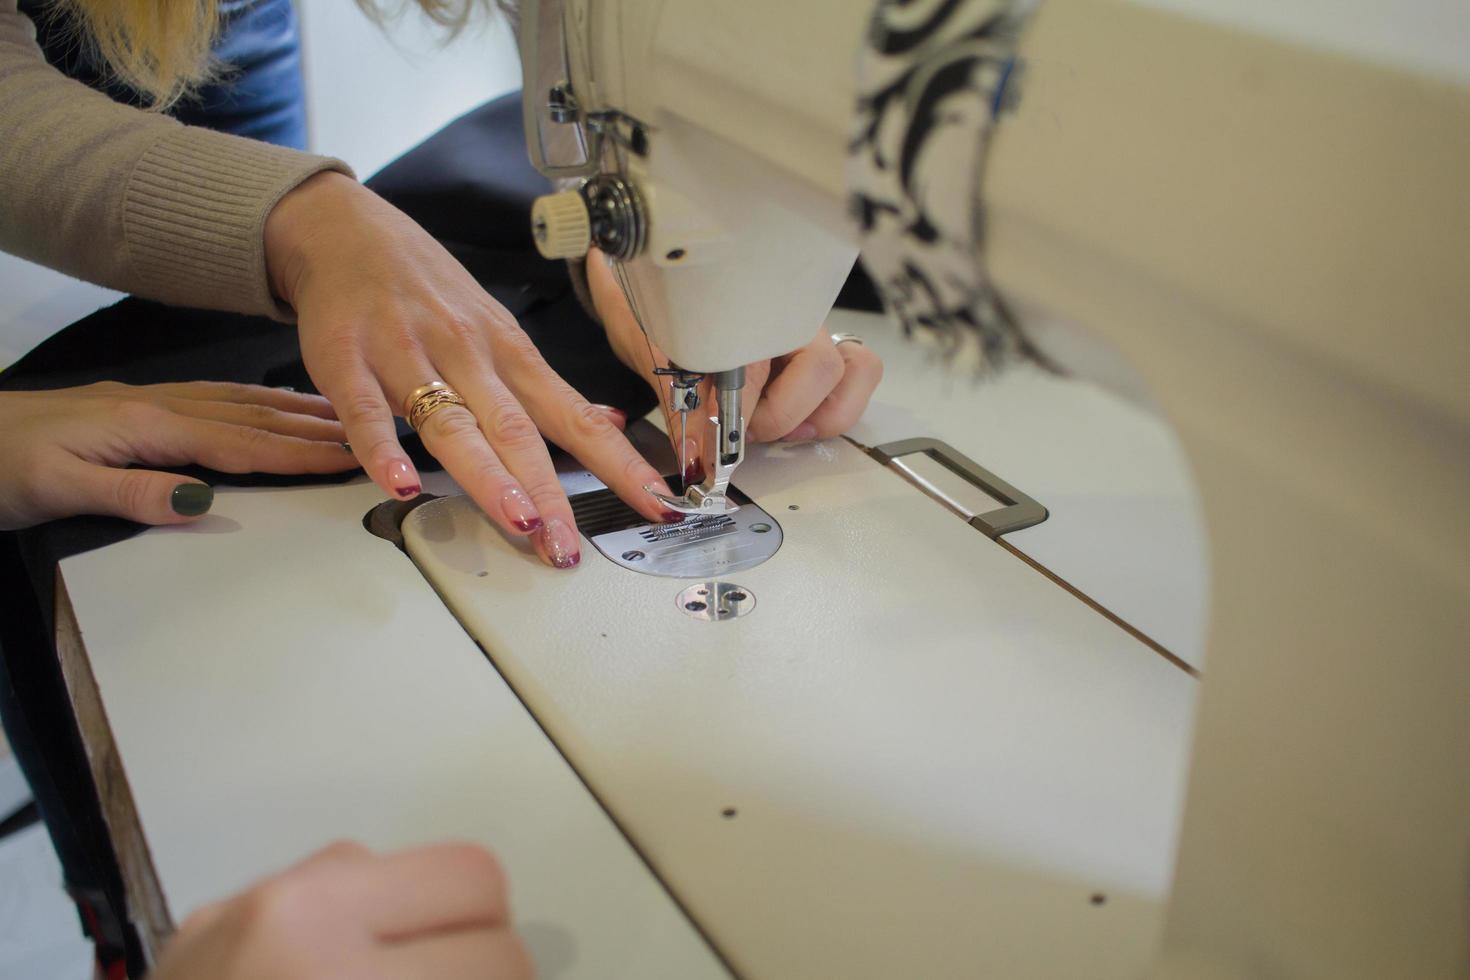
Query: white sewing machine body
{"points": [[923, 743], [1275, 237], [935, 757]]}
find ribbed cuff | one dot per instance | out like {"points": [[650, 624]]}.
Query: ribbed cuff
{"points": [[194, 216]]}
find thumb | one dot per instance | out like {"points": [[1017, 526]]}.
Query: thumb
{"points": [[145, 496]]}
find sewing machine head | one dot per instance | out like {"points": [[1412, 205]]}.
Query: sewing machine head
{"points": [[721, 256]]}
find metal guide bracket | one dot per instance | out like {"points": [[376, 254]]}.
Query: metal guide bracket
{"points": [[1019, 510]]}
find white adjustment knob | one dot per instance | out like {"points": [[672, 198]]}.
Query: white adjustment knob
{"points": [[560, 225]]}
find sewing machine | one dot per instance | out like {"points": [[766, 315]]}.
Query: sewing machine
{"points": [[915, 732], [1275, 238]]}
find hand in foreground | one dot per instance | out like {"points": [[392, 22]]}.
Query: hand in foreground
{"points": [[385, 310], [438, 912], [63, 450], [815, 392]]}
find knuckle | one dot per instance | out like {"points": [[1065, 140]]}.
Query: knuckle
{"points": [[375, 451], [131, 492], [261, 415], [481, 866], [511, 341], [637, 471], [514, 429], [591, 422], [196, 919], [360, 407], [403, 340], [829, 365], [463, 329], [758, 374], [452, 422], [137, 415], [33, 479], [345, 849], [340, 348], [278, 907], [252, 438], [543, 489]]}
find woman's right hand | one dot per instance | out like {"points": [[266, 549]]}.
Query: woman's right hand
{"points": [[438, 911], [383, 309]]}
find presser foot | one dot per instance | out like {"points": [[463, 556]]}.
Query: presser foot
{"points": [[697, 500]]}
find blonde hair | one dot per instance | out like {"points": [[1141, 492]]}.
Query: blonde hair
{"points": [[161, 48]]}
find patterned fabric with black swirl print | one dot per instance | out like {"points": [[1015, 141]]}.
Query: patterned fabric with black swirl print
{"points": [[932, 78]]}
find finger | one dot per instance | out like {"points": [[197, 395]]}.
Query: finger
{"points": [[259, 416], [334, 854], [456, 435], [807, 378], [282, 399], [512, 437], [479, 954], [233, 448], [430, 889], [847, 402], [757, 375], [360, 403], [571, 422], [616, 416], [138, 495]]}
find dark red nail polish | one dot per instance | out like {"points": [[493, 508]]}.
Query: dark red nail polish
{"points": [[410, 491], [694, 472], [672, 516], [519, 510], [567, 561]]}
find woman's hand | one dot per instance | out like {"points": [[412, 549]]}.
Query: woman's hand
{"points": [[63, 450], [437, 912], [383, 310], [815, 392]]}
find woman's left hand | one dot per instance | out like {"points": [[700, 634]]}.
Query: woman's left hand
{"points": [[815, 392], [65, 450]]}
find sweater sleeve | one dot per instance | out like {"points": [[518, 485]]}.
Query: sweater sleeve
{"points": [[131, 199]]}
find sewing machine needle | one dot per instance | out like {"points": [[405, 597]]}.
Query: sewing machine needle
{"points": [[683, 448]]}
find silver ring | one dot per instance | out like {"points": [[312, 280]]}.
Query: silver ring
{"points": [[847, 338]]}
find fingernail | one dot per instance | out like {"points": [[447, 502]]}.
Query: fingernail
{"points": [[347, 447], [562, 545], [617, 416], [672, 516], [191, 499], [519, 510], [403, 479], [801, 433]]}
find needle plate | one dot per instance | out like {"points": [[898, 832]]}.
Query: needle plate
{"points": [[700, 546]]}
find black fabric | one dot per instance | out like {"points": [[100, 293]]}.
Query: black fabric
{"points": [[471, 186]]}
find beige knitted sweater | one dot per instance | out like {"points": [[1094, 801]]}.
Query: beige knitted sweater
{"points": [[131, 199]]}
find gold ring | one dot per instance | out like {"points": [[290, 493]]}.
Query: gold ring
{"points": [[426, 400], [838, 339]]}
